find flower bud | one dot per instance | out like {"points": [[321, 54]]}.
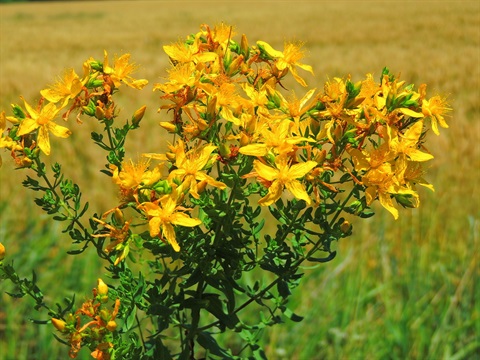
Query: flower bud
{"points": [[168, 126], [59, 324], [408, 200], [89, 109], [99, 113], [244, 46], [102, 288], [235, 66], [346, 227], [111, 325], [2, 252], [138, 115]]}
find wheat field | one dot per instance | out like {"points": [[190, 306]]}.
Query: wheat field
{"points": [[405, 289]]}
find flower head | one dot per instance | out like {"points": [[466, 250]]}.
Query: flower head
{"points": [[41, 119], [283, 175], [64, 89], [163, 214], [288, 59], [121, 70]]}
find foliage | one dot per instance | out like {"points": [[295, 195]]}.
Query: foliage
{"points": [[188, 225]]}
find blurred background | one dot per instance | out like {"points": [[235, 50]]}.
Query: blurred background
{"points": [[405, 289]]}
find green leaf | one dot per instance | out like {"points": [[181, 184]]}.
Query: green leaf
{"points": [[290, 314], [209, 343]]}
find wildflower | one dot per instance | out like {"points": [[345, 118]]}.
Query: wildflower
{"points": [[190, 167], [288, 59], [65, 88], [435, 108], [277, 137], [407, 144], [182, 53], [163, 214], [2, 252], [132, 176], [283, 176], [42, 119], [121, 70], [180, 76]]}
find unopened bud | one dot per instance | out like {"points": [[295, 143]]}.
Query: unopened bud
{"points": [[244, 139], [89, 109], [138, 115], [111, 325], [102, 287], [244, 46], [408, 200], [168, 126], [59, 324], [99, 113], [346, 227], [118, 217], [235, 66]]}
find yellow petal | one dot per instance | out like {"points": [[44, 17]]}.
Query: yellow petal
{"points": [[270, 50], [182, 219], [417, 155], [59, 131], [169, 233], [298, 190], [154, 225], [265, 171], [274, 193], [387, 203], [254, 150], [300, 170], [411, 113], [27, 126], [43, 140]]}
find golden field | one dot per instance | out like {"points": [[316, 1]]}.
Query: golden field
{"points": [[414, 281]]}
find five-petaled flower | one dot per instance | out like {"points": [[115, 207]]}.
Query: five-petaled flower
{"points": [[41, 119], [283, 175]]}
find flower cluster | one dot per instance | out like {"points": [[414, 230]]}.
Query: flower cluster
{"points": [[96, 332], [238, 134], [90, 94]]}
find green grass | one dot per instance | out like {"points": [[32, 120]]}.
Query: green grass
{"points": [[405, 289]]}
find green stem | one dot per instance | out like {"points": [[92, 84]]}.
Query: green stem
{"points": [[71, 216]]}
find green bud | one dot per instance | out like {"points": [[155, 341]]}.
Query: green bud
{"points": [[18, 112], [408, 200], [96, 65], [90, 109], [162, 187]]}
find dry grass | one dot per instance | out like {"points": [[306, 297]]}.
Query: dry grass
{"points": [[437, 42]]}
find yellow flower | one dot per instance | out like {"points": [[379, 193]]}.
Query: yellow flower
{"points": [[66, 88], [190, 165], [435, 109], [278, 138], [42, 119], [132, 175], [407, 144], [180, 76], [163, 214], [121, 70], [288, 59], [182, 53], [283, 176]]}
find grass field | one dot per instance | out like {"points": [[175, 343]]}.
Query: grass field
{"points": [[405, 289]]}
